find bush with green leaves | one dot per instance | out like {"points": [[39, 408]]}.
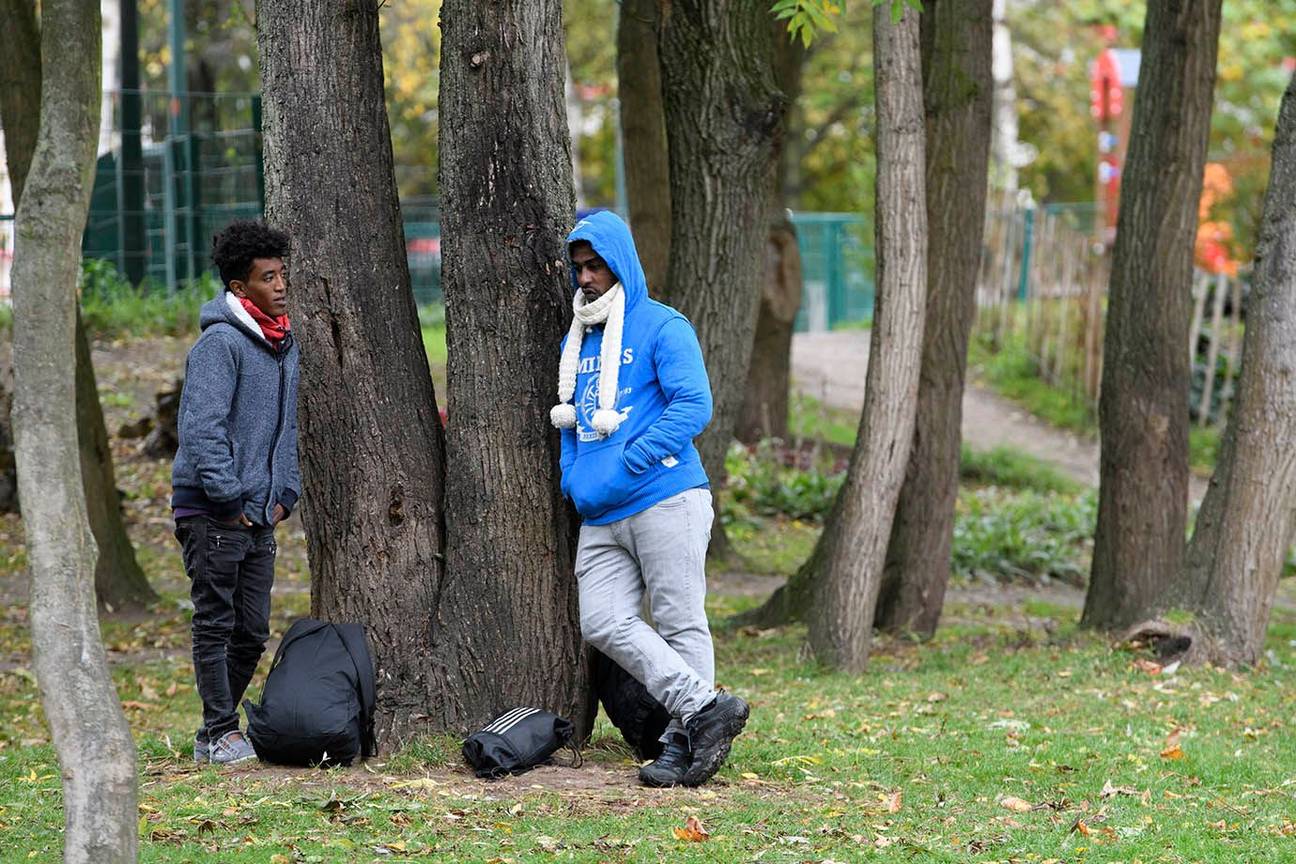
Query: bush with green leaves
{"points": [[1024, 535]]}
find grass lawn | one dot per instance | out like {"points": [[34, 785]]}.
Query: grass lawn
{"points": [[1012, 736]]}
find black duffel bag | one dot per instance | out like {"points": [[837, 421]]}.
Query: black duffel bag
{"points": [[317, 706], [516, 742]]}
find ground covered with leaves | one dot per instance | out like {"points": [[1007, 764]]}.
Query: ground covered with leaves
{"points": [[1012, 736]]}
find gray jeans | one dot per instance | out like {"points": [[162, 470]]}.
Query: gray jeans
{"points": [[662, 551]]}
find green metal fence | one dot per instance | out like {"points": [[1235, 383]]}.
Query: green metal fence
{"points": [[836, 270], [183, 165]]}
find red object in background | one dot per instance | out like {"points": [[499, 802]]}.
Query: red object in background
{"points": [[1106, 96]]}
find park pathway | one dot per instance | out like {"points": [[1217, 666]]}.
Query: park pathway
{"points": [[831, 367]]}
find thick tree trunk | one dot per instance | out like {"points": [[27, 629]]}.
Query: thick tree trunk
{"points": [[724, 116], [764, 411], [643, 136], [370, 441], [852, 549], [95, 751], [1143, 409], [119, 580], [1244, 527], [957, 90], [508, 626]]}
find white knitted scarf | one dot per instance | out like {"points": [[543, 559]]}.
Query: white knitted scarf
{"points": [[609, 310]]}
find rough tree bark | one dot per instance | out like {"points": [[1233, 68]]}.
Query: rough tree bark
{"points": [[119, 580], [851, 552], [508, 626], [1143, 409], [724, 118], [957, 97], [643, 136], [1244, 527], [370, 441], [472, 617], [764, 411], [95, 751]]}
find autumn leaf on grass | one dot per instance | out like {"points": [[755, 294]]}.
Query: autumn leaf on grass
{"points": [[1110, 791], [692, 832], [1172, 750], [1016, 804], [1147, 666], [892, 801]]}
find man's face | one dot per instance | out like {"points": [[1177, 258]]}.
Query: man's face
{"points": [[592, 273], [266, 286]]}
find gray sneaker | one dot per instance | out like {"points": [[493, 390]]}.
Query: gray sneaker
{"points": [[231, 747], [202, 747]]}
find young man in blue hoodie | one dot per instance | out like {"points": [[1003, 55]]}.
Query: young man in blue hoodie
{"points": [[633, 393], [235, 475]]}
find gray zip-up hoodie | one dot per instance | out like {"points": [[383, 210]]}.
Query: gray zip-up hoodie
{"points": [[238, 419]]}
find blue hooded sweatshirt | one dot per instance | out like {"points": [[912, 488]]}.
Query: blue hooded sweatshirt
{"points": [[663, 395], [237, 421]]}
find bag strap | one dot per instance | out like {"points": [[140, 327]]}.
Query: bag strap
{"points": [[352, 637]]}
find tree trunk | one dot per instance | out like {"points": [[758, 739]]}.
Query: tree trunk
{"points": [[119, 580], [20, 87], [1004, 136], [854, 544], [957, 90], [1143, 409], [370, 441], [508, 624], [95, 751], [643, 136], [764, 411], [1245, 523], [724, 116]]}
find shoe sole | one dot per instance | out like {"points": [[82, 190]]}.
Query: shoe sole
{"points": [[233, 761], [699, 774], [653, 783]]}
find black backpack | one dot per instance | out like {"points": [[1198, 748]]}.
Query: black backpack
{"points": [[639, 717], [516, 741], [317, 706]]}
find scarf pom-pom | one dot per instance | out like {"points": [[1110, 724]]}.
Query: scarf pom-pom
{"points": [[606, 421], [563, 415]]}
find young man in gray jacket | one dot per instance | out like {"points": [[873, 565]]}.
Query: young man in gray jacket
{"points": [[235, 474]]}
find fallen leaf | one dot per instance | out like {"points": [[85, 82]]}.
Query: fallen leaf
{"points": [[937, 697], [1017, 804], [1080, 826], [692, 832], [1147, 666], [1110, 791], [142, 706], [547, 843], [1175, 752], [892, 801]]}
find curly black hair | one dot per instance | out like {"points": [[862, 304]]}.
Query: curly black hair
{"points": [[240, 243]]}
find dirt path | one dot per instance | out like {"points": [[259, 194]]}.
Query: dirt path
{"points": [[831, 367]]}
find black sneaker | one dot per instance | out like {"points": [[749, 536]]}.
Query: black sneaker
{"points": [[668, 768], [711, 733]]}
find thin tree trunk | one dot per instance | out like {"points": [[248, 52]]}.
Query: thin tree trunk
{"points": [[1143, 407], [957, 91], [20, 88], [724, 116], [643, 136], [119, 579], [764, 411], [852, 549], [508, 625], [370, 441], [95, 751], [1244, 527]]}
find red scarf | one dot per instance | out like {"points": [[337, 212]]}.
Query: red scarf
{"points": [[274, 329]]}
